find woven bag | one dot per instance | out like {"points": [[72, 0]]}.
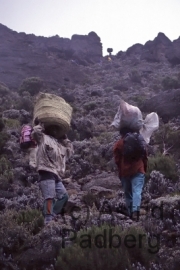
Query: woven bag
{"points": [[53, 110]]}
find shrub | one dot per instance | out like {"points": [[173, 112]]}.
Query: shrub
{"points": [[4, 137], [169, 138], [139, 99], [104, 137], [164, 164], [31, 219], [12, 123], [12, 235], [93, 249], [6, 173], [170, 83], [157, 186], [32, 85], [89, 106], [135, 76], [26, 103]]}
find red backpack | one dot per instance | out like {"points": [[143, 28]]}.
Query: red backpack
{"points": [[26, 140]]}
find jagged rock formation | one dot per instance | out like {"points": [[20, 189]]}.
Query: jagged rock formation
{"points": [[160, 49], [23, 55]]}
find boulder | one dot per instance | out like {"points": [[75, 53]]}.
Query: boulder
{"points": [[101, 192], [104, 180]]}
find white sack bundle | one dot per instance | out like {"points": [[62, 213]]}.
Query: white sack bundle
{"points": [[150, 124], [131, 117], [128, 116]]}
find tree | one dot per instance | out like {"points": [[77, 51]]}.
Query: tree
{"points": [[109, 50]]}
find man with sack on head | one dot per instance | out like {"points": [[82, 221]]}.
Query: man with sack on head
{"points": [[52, 154], [130, 156]]}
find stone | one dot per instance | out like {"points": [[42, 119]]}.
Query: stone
{"points": [[105, 180], [101, 192]]}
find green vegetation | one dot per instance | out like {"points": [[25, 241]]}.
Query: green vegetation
{"points": [[12, 235], [139, 99], [168, 140], [170, 83], [32, 219], [4, 137], [89, 106], [12, 123], [33, 85], [95, 248], [6, 173], [135, 76], [5, 97], [26, 102], [104, 137], [164, 164]]}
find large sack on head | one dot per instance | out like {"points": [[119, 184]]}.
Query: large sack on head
{"points": [[53, 110], [128, 116], [151, 123]]}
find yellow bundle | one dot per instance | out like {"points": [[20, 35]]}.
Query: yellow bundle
{"points": [[53, 110]]}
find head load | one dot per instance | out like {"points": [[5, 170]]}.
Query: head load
{"points": [[129, 119], [54, 113]]}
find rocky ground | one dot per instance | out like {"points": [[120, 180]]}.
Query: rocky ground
{"points": [[95, 194]]}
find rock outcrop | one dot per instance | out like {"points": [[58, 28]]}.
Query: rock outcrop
{"points": [[160, 49], [52, 59]]}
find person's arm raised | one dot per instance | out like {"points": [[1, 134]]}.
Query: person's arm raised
{"points": [[37, 133]]}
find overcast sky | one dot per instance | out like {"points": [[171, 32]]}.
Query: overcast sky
{"points": [[118, 23]]}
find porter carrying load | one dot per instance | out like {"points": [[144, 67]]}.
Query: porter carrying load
{"points": [[129, 116]]}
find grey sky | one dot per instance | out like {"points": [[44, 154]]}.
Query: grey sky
{"points": [[119, 23]]}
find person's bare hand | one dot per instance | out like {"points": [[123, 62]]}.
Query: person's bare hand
{"points": [[42, 125]]}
